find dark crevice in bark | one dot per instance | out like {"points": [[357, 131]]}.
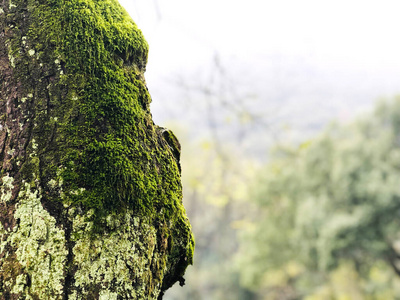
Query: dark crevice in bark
{"points": [[57, 210], [69, 276], [3, 149]]}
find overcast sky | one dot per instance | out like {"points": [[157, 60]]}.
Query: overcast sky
{"points": [[362, 34], [350, 48]]}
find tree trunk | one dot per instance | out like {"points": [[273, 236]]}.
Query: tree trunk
{"points": [[91, 199]]}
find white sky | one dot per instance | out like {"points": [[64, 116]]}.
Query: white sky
{"points": [[351, 32], [350, 48]]}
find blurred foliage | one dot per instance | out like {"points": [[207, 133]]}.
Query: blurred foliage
{"points": [[327, 224]]}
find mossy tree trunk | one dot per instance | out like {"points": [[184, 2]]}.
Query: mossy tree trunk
{"points": [[90, 192]]}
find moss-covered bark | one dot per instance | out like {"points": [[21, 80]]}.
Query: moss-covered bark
{"points": [[90, 192]]}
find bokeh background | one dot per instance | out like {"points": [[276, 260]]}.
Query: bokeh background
{"points": [[290, 129]]}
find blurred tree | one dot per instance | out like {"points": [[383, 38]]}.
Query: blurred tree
{"points": [[226, 107], [329, 215]]}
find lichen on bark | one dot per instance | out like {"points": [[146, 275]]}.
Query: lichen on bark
{"points": [[90, 192]]}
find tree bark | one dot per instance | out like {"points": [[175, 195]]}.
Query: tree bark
{"points": [[90, 191]]}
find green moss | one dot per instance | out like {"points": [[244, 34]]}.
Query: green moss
{"points": [[103, 132]]}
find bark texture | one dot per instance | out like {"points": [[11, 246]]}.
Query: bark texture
{"points": [[90, 191]]}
